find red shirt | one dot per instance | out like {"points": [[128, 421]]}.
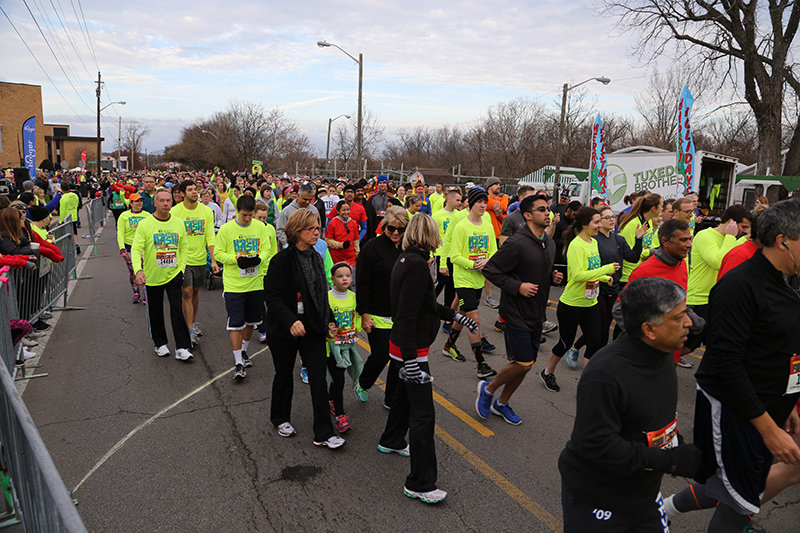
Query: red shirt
{"points": [[357, 213], [653, 268], [736, 257], [337, 231]]}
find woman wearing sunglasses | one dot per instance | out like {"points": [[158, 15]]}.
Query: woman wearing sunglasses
{"points": [[341, 235], [373, 299]]}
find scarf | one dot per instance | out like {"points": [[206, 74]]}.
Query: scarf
{"points": [[665, 258], [313, 272]]}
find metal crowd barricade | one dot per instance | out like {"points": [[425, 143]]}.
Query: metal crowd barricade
{"points": [[40, 497], [96, 213], [38, 289]]}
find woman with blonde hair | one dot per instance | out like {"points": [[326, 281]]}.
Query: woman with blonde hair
{"points": [[416, 318]]}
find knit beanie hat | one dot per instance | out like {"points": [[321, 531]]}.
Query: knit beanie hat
{"points": [[475, 195]]}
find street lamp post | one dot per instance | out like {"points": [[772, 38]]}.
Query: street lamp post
{"points": [[210, 133], [567, 88], [99, 109], [360, 61], [328, 148]]}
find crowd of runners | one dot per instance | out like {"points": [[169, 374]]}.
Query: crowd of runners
{"points": [[312, 263]]}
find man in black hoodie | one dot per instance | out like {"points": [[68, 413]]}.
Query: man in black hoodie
{"points": [[625, 436], [522, 268]]}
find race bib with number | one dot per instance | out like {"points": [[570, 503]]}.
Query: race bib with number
{"points": [[300, 308], [592, 290], [794, 375], [166, 259], [346, 337], [664, 438], [248, 272], [118, 204]]}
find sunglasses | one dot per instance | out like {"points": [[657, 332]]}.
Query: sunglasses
{"points": [[391, 229]]}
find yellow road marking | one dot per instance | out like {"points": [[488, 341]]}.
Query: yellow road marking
{"points": [[467, 419], [505, 485]]}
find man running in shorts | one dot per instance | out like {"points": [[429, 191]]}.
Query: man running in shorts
{"points": [[158, 255], [242, 245], [523, 269], [444, 273], [199, 221], [472, 245], [748, 381]]}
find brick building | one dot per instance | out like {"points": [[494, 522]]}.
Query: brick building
{"points": [[18, 103]]}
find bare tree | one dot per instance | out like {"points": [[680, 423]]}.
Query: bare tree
{"points": [[346, 136], [748, 41], [133, 135]]}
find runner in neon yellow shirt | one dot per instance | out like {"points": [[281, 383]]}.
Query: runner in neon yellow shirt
{"points": [[472, 244], [444, 274], [127, 223], [158, 255], [68, 206], [646, 210], [242, 246], [578, 302], [199, 221]]}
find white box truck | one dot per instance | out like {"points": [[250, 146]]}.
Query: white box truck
{"points": [[644, 167]]}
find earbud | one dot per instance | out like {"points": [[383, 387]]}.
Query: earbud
{"points": [[784, 244]]}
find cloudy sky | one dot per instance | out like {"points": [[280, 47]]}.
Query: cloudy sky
{"points": [[177, 61]]}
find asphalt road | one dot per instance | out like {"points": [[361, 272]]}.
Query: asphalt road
{"points": [[155, 444]]}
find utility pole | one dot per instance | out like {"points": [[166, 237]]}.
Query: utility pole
{"points": [[99, 153], [119, 147]]}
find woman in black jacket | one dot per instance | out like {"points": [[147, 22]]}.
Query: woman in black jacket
{"points": [[373, 300], [299, 319], [416, 319], [13, 239]]}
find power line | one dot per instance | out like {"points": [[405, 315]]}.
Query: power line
{"points": [[68, 33], [326, 93], [88, 37], [40, 66], [54, 55], [48, 23]]}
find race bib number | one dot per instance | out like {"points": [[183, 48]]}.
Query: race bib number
{"points": [[794, 375], [248, 272], [118, 204], [381, 213], [664, 438], [300, 308], [166, 259], [346, 337], [477, 257], [592, 290]]}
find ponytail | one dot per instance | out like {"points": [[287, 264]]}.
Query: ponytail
{"points": [[643, 204]]}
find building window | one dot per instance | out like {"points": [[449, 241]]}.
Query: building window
{"points": [[1, 138]]}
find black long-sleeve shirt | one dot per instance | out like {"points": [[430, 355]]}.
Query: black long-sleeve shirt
{"points": [[373, 271], [416, 314], [523, 258], [613, 249], [753, 332], [629, 390]]}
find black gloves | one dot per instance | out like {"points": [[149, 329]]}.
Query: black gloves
{"points": [[685, 460], [346, 244], [242, 262], [247, 262]]}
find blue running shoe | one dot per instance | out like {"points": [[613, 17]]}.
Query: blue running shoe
{"points": [[304, 375], [506, 412], [572, 357], [483, 402]]}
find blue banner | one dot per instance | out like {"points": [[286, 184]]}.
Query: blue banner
{"points": [[685, 148], [29, 145]]}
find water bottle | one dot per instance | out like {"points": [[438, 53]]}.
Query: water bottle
{"points": [[426, 378]]}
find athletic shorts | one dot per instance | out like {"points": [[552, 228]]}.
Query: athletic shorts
{"points": [[581, 517], [193, 276], [735, 459], [522, 344], [75, 227], [468, 298], [244, 309]]}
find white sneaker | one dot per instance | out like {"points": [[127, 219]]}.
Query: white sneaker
{"points": [[332, 442], [434, 496], [27, 354], [182, 354], [196, 328], [162, 351], [29, 343], [286, 430]]}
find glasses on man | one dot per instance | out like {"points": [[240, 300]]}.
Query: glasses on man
{"points": [[313, 229], [391, 229]]}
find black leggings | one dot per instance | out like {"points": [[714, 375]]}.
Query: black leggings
{"points": [[569, 318], [606, 303]]}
